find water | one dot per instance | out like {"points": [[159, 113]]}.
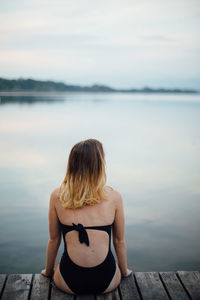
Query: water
{"points": [[152, 146]]}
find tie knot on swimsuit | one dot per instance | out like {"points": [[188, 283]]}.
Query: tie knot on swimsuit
{"points": [[83, 236], [78, 227]]}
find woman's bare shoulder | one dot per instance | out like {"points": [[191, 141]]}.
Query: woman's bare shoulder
{"points": [[54, 194], [114, 194]]}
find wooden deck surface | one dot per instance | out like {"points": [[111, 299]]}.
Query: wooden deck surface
{"points": [[180, 285]]}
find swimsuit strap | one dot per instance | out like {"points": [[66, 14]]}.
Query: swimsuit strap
{"points": [[82, 233]]}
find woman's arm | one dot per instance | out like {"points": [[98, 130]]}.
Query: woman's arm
{"points": [[118, 236], [54, 237]]}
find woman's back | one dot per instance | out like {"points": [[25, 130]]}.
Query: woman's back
{"points": [[100, 214]]}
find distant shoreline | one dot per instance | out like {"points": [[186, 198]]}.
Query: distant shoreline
{"points": [[31, 87], [52, 94]]}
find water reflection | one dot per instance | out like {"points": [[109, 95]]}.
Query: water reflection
{"points": [[29, 99], [152, 150]]}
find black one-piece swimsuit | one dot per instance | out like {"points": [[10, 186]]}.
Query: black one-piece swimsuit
{"points": [[85, 280]]}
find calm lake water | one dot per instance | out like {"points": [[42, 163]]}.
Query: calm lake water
{"points": [[152, 146]]}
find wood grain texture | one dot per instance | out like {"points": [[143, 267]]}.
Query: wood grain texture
{"points": [[57, 294], [2, 282], [40, 288], [114, 295], [17, 287], [129, 289], [150, 286], [173, 286], [191, 281]]}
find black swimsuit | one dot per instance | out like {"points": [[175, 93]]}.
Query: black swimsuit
{"points": [[86, 280]]}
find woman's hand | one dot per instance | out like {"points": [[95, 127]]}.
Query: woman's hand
{"points": [[128, 272], [47, 274]]}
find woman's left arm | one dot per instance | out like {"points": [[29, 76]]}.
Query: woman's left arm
{"points": [[54, 237]]}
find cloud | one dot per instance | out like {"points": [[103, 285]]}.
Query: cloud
{"points": [[110, 41]]}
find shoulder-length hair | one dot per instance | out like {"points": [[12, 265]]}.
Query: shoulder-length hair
{"points": [[85, 176]]}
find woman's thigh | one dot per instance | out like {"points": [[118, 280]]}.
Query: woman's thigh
{"points": [[115, 281], [59, 281]]}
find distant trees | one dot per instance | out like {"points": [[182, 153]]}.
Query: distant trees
{"points": [[48, 86], [33, 85]]}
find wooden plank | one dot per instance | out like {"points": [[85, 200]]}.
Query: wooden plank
{"points": [[150, 286], [182, 285], [17, 287], [173, 286], [2, 282], [57, 294], [128, 288], [191, 282], [114, 295], [40, 288]]}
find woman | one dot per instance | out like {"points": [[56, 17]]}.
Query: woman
{"points": [[85, 211]]}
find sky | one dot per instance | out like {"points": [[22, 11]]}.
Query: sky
{"points": [[120, 43]]}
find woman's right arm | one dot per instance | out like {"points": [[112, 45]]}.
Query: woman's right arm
{"points": [[118, 236]]}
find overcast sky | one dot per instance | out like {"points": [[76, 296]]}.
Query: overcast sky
{"points": [[126, 43]]}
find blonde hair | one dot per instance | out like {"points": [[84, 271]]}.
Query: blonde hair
{"points": [[85, 177]]}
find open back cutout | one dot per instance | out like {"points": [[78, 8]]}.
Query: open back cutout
{"points": [[87, 256]]}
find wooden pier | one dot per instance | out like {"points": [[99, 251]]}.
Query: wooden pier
{"points": [[180, 285]]}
